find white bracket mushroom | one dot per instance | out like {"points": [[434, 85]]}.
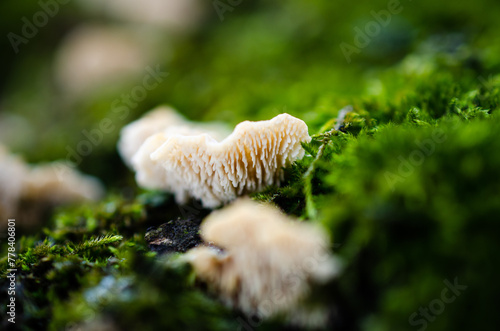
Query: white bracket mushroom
{"points": [[190, 162], [268, 262]]}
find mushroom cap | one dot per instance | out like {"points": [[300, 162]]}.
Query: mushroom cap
{"points": [[13, 170], [39, 187], [215, 172], [133, 135], [162, 119], [93, 57], [58, 183], [269, 260], [173, 15]]}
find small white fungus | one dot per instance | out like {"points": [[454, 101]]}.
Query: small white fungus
{"points": [[57, 183], [268, 261], [40, 186], [93, 57], [192, 164], [135, 134], [167, 121], [12, 173], [173, 15]]}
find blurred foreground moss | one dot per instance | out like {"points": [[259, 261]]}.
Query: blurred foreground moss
{"points": [[85, 272]]}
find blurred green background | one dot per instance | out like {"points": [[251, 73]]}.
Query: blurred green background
{"points": [[262, 59]]}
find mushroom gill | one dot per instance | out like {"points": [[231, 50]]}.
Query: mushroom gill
{"points": [[197, 165], [268, 262]]}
